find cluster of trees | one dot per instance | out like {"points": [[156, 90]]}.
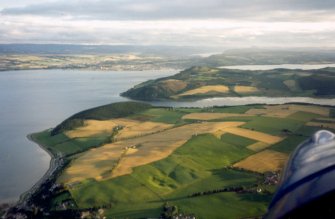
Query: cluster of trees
{"points": [[172, 212], [238, 189], [227, 189], [169, 211]]}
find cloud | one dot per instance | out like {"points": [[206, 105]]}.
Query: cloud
{"points": [[222, 23], [200, 32], [178, 9]]}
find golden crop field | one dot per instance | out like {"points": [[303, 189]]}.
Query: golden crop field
{"points": [[96, 162], [245, 89], [86, 165], [173, 84], [218, 133], [258, 146], [255, 135], [264, 161], [206, 89], [131, 128], [92, 128]]}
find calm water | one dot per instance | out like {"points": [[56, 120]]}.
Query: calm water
{"points": [[32, 101]]}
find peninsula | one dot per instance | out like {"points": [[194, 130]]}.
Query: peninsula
{"points": [[134, 160], [206, 82]]}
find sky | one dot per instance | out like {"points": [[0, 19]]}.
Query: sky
{"points": [[216, 23]]}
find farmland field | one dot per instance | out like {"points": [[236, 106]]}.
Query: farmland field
{"points": [[206, 89], [205, 162], [264, 161], [245, 89]]}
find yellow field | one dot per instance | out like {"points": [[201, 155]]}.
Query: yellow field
{"points": [[131, 128], [211, 116], [264, 161], [85, 166], [92, 128], [322, 124], [245, 89], [173, 84], [206, 89], [255, 135], [258, 146], [96, 162], [218, 133]]}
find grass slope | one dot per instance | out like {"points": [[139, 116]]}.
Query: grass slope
{"points": [[164, 115], [273, 126], [237, 140], [196, 166]]}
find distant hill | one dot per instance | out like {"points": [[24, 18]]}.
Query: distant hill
{"points": [[149, 57], [73, 49], [206, 82], [270, 57]]}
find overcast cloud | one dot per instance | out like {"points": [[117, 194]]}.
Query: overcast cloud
{"points": [[223, 23]]}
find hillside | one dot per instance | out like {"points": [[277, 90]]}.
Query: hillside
{"points": [[206, 82], [269, 57], [133, 160]]}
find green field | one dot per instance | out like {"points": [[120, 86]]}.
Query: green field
{"points": [[62, 144], [192, 168], [274, 126], [303, 116], [192, 178], [165, 115], [237, 140]]}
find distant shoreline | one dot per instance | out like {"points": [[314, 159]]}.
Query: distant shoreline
{"points": [[94, 69]]}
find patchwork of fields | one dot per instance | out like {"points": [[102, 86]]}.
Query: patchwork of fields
{"points": [[206, 89], [206, 162], [205, 82]]}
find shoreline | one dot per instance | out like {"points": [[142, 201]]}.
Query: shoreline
{"points": [[53, 165]]}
